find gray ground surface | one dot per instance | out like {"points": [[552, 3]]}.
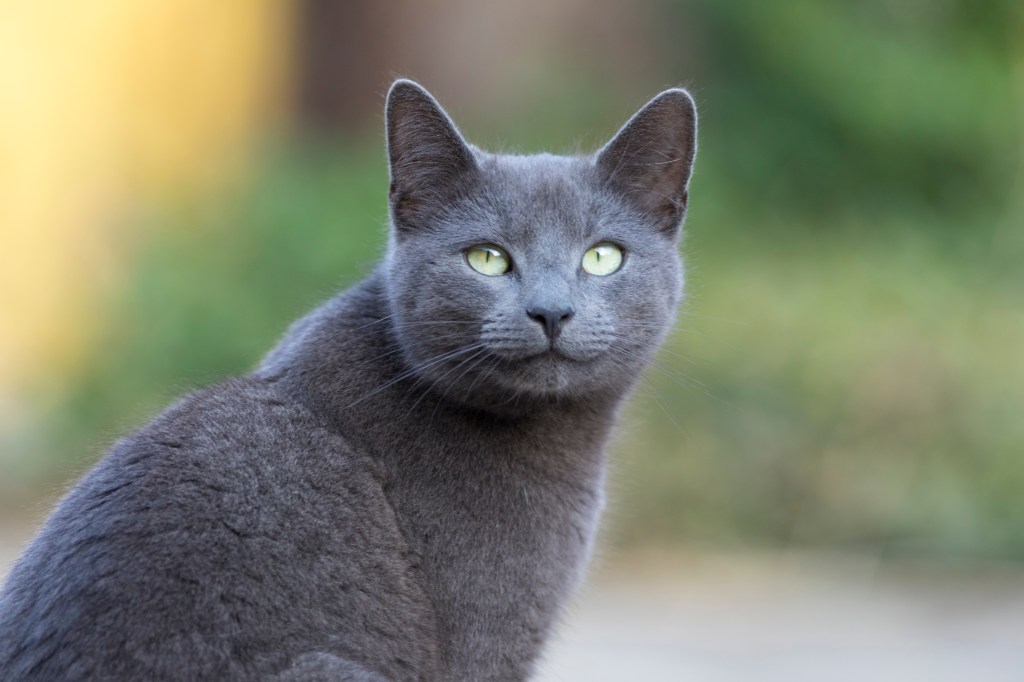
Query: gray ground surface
{"points": [[793, 618], [778, 617]]}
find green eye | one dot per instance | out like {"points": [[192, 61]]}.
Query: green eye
{"points": [[602, 259], [488, 260]]}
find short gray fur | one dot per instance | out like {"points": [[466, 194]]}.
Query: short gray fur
{"points": [[409, 485]]}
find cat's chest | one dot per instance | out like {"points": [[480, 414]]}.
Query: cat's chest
{"points": [[492, 519], [500, 543]]}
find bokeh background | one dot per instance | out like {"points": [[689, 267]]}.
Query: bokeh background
{"points": [[181, 178]]}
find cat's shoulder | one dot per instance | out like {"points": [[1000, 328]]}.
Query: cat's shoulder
{"points": [[243, 430], [231, 462], [218, 452]]}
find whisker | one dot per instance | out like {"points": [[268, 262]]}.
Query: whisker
{"points": [[698, 316], [678, 330], [684, 380], [480, 357], [653, 395], [415, 370], [663, 350], [396, 327], [448, 371], [364, 363]]}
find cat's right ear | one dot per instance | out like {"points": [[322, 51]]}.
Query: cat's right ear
{"points": [[429, 161], [649, 161]]}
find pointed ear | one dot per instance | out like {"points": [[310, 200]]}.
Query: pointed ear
{"points": [[430, 163], [650, 159]]}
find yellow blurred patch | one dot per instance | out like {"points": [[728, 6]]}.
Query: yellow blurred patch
{"points": [[103, 103]]}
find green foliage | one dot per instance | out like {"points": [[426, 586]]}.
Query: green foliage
{"points": [[864, 106], [859, 391]]}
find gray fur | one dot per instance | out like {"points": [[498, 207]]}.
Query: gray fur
{"points": [[408, 487]]}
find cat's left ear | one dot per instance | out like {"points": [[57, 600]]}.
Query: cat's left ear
{"points": [[650, 159], [430, 162]]}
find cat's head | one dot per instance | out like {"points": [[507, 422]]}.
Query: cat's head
{"points": [[534, 276]]}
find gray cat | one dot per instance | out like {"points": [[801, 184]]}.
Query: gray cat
{"points": [[409, 485]]}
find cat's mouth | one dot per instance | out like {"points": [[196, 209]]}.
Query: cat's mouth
{"points": [[565, 352], [544, 357], [552, 355]]}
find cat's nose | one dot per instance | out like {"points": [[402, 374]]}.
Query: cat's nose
{"points": [[551, 319]]}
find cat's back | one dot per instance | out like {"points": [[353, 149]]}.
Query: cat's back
{"points": [[230, 536]]}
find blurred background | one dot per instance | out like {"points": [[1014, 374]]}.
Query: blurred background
{"points": [[838, 422]]}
